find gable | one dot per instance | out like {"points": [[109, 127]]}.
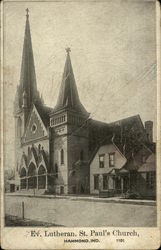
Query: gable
{"points": [[23, 162], [151, 158], [35, 128], [105, 150]]}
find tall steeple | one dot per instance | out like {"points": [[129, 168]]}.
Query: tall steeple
{"points": [[68, 93], [28, 83]]}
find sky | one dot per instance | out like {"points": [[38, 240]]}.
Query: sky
{"points": [[113, 53]]}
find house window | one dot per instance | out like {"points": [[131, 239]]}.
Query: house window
{"points": [[150, 180], [81, 155], [111, 159], [62, 156], [101, 161], [96, 182], [105, 182]]}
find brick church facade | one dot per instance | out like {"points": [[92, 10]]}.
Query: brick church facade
{"points": [[54, 145]]}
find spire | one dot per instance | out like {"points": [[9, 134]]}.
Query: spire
{"points": [[16, 101], [68, 94], [28, 76]]}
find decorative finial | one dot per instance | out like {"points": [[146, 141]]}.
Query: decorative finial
{"points": [[68, 50], [27, 12]]}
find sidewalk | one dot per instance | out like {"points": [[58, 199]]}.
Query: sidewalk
{"points": [[87, 198], [15, 221]]}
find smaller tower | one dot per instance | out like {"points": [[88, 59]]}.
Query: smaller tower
{"points": [[69, 123]]}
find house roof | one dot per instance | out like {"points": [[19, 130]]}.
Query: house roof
{"points": [[129, 135], [149, 165], [117, 133], [135, 161], [104, 141], [127, 121], [123, 170]]}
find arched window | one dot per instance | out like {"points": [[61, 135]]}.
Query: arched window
{"points": [[23, 172], [41, 177], [56, 170], [41, 170], [62, 156], [32, 169], [23, 179], [39, 148], [32, 181], [81, 155]]}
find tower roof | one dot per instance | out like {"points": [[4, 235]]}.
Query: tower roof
{"points": [[68, 93], [27, 76]]}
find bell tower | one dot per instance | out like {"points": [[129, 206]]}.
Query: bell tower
{"points": [[69, 122], [27, 92]]}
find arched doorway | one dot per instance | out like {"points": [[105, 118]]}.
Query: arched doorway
{"points": [[32, 180], [41, 177], [23, 180], [61, 189]]}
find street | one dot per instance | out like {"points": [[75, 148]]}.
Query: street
{"points": [[80, 213]]}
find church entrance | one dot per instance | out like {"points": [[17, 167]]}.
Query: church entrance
{"points": [[42, 177], [61, 189], [32, 180]]}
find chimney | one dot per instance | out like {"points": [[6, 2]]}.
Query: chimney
{"points": [[149, 130]]}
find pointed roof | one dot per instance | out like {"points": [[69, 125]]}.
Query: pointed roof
{"points": [[68, 94], [27, 77], [149, 165]]}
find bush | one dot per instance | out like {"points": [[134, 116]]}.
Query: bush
{"points": [[132, 195], [50, 190]]}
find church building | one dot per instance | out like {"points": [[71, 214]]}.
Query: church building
{"points": [[54, 145], [49, 141]]}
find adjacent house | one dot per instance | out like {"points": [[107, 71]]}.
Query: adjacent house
{"points": [[146, 178], [113, 174], [142, 170], [104, 169]]}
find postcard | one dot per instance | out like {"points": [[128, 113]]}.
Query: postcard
{"points": [[80, 123]]}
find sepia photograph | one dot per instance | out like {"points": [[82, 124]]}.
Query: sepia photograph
{"points": [[80, 115]]}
